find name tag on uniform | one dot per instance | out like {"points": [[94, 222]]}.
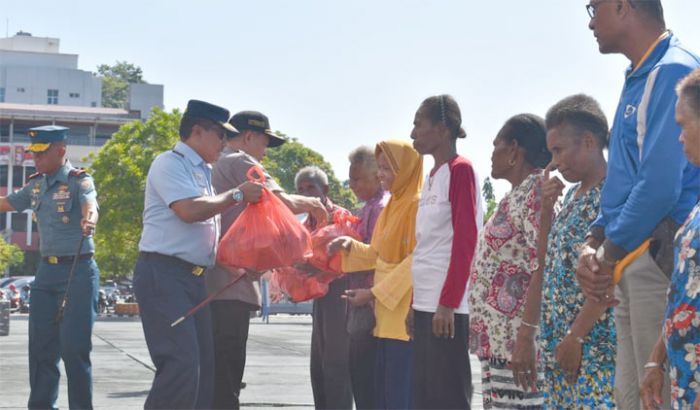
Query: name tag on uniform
{"points": [[62, 193]]}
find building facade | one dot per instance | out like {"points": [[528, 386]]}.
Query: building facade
{"points": [[41, 86]]}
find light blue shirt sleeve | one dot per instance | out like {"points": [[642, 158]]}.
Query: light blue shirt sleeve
{"points": [[172, 179]]}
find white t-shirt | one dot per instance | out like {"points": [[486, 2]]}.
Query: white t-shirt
{"points": [[450, 200]]}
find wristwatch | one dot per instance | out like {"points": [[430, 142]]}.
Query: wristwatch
{"points": [[237, 195], [655, 365], [600, 257]]}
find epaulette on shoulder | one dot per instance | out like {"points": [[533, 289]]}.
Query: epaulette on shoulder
{"points": [[78, 172], [34, 175]]}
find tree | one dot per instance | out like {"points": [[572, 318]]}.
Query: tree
{"points": [[285, 161], [490, 198], [120, 169], [10, 255], [115, 82]]}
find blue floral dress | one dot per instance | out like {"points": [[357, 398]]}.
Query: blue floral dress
{"points": [[562, 299], [682, 324]]}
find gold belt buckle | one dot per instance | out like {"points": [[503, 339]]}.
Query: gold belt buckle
{"points": [[53, 260], [197, 271]]}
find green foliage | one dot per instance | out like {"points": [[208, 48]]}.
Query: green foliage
{"points": [[490, 198], [285, 161], [10, 255], [115, 82], [120, 169]]}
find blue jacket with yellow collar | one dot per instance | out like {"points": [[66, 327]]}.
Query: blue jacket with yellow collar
{"points": [[649, 178]]}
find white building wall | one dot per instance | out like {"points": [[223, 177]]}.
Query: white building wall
{"points": [[28, 42], [30, 85], [143, 97], [34, 59]]}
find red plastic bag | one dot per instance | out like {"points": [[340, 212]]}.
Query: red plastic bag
{"points": [[299, 286], [342, 226], [266, 235]]}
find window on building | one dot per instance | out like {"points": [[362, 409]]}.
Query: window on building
{"points": [[3, 176], [93, 104], [19, 222], [18, 176], [52, 97], [74, 95], [20, 89], [2, 94]]}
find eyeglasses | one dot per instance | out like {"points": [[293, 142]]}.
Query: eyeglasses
{"points": [[592, 8]]}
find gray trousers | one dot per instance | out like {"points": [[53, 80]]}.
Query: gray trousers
{"points": [[638, 319]]}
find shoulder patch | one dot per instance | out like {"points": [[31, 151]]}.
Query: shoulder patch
{"points": [[34, 175], [78, 172], [86, 184]]}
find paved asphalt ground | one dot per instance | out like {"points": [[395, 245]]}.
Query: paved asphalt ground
{"points": [[277, 369]]}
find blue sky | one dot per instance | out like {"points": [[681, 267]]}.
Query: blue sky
{"points": [[340, 74]]}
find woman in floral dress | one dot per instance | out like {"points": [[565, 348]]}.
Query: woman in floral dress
{"points": [[577, 337], [680, 336], [506, 256]]}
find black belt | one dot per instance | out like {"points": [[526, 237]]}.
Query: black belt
{"points": [[196, 270], [55, 260]]}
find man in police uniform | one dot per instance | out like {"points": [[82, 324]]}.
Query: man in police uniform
{"points": [[63, 199], [231, 309], [179, 240]]}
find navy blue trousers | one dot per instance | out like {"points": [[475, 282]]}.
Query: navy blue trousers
{"points": [[184, 354], [70, 340], [394, 375]]}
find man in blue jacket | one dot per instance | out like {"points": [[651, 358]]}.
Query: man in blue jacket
{"points": [[650, 186]]}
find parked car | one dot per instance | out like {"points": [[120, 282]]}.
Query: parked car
{"points": [[5, 282]]}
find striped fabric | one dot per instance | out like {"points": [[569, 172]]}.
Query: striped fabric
{"points": [[500, 391]]}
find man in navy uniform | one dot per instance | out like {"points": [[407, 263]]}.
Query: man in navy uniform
{"points": [[63, 199], [181, 229]]}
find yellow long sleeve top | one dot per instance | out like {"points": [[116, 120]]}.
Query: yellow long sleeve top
{"points": [[392, 288]]}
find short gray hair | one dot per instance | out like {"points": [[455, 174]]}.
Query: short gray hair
{"points": [[364, 156], [313, 173]]}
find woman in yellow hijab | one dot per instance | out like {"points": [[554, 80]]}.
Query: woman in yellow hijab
{"points": [[400, 171]]}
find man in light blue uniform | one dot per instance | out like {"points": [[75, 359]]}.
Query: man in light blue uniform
{"points": [[650, 186], [180, 233], [63, 199]]}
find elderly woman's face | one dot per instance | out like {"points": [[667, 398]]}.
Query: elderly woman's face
{"points": [[690, 130], [309, 187], [568, 155], [503, 156]]}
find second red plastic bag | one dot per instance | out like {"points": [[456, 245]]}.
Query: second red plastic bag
{"points": [[299, 286], [266, 235], [342, 226]]}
